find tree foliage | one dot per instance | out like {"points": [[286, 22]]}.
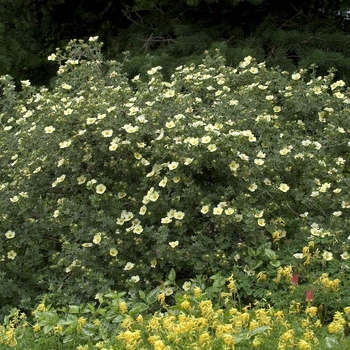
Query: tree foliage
{"points": [[290, 34]]}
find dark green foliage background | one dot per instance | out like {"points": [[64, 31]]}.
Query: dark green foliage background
{"points": [[288, 34]]}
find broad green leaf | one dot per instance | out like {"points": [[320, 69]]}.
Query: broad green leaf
{"points": [[251, 251], [332, 343], [257, 331], [271, 254], [276, 263], [152, 296], [138, 308], [142, 294], [74, 309], [172, 275], [68, 338]]}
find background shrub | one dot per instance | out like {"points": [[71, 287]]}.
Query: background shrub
{"points": [[108, 183]]}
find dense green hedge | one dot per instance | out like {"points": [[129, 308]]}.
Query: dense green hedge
{"points": [[109, 183]]}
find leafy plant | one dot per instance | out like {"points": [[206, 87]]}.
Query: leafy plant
{"points": [[109, 183]]}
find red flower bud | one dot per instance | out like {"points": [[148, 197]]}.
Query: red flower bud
{"points": [[295, 279], [309, 295]]}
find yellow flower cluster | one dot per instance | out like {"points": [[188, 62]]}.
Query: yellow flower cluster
{"points": [[331, 285]]}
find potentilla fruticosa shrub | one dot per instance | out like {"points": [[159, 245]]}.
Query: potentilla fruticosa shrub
{"points": [[107, 182]]}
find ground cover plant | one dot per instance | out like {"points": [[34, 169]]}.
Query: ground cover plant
{"points": [[204, 316], [113, 184]]}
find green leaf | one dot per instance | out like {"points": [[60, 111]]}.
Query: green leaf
{"points": [[271, 254], [111, 295], [138, 308], [152, 296], [251, 252], [257, 331], [74, 309], [47, 329], [142, 294], [118, 319], [258, 264], [68, 338], [172, 275], [276, 263], [332, 343], [219, 280], [89, 332]]}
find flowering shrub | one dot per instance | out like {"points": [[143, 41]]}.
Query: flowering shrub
{"points": [[108, 183]]}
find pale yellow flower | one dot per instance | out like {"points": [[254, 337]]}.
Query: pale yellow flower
{"points": [[179, 215], [65, 144], [128, 266], [217, 211], [100, 189], [9, 234], [11, 255], [205, 209], [97, 238], [174, 244], [296, 76], [107, 133], [49, 129], [143, 210], [166, 220], [283, 187], [113, 252], [173, 165], [81, 179]]}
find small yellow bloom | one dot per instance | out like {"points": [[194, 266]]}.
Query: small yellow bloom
{"points": [[100, 189], [283, 187], [9, 234], [36, 328], [174, 244], [113, 252], [11, 255]]}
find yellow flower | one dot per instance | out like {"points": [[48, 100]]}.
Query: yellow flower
{"points": [[107, 133], [169, 93], [36, 328], [283, 187], [252, 187], [185, 304], [11, 254], [113, 252], [205, 209], [129, 266], [153, 196], [166, 220], [161, 298], [217, 210], [170, 124], [65, 144], [122, 307], [81, 321], [173, 165], [261, 222], [81, 179], [97, 238], [187, 286], [100, 189], [143, 210], [206, 139], [49, 129], [174, 244], [9, 234], [179, 215], [212, 147]]}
